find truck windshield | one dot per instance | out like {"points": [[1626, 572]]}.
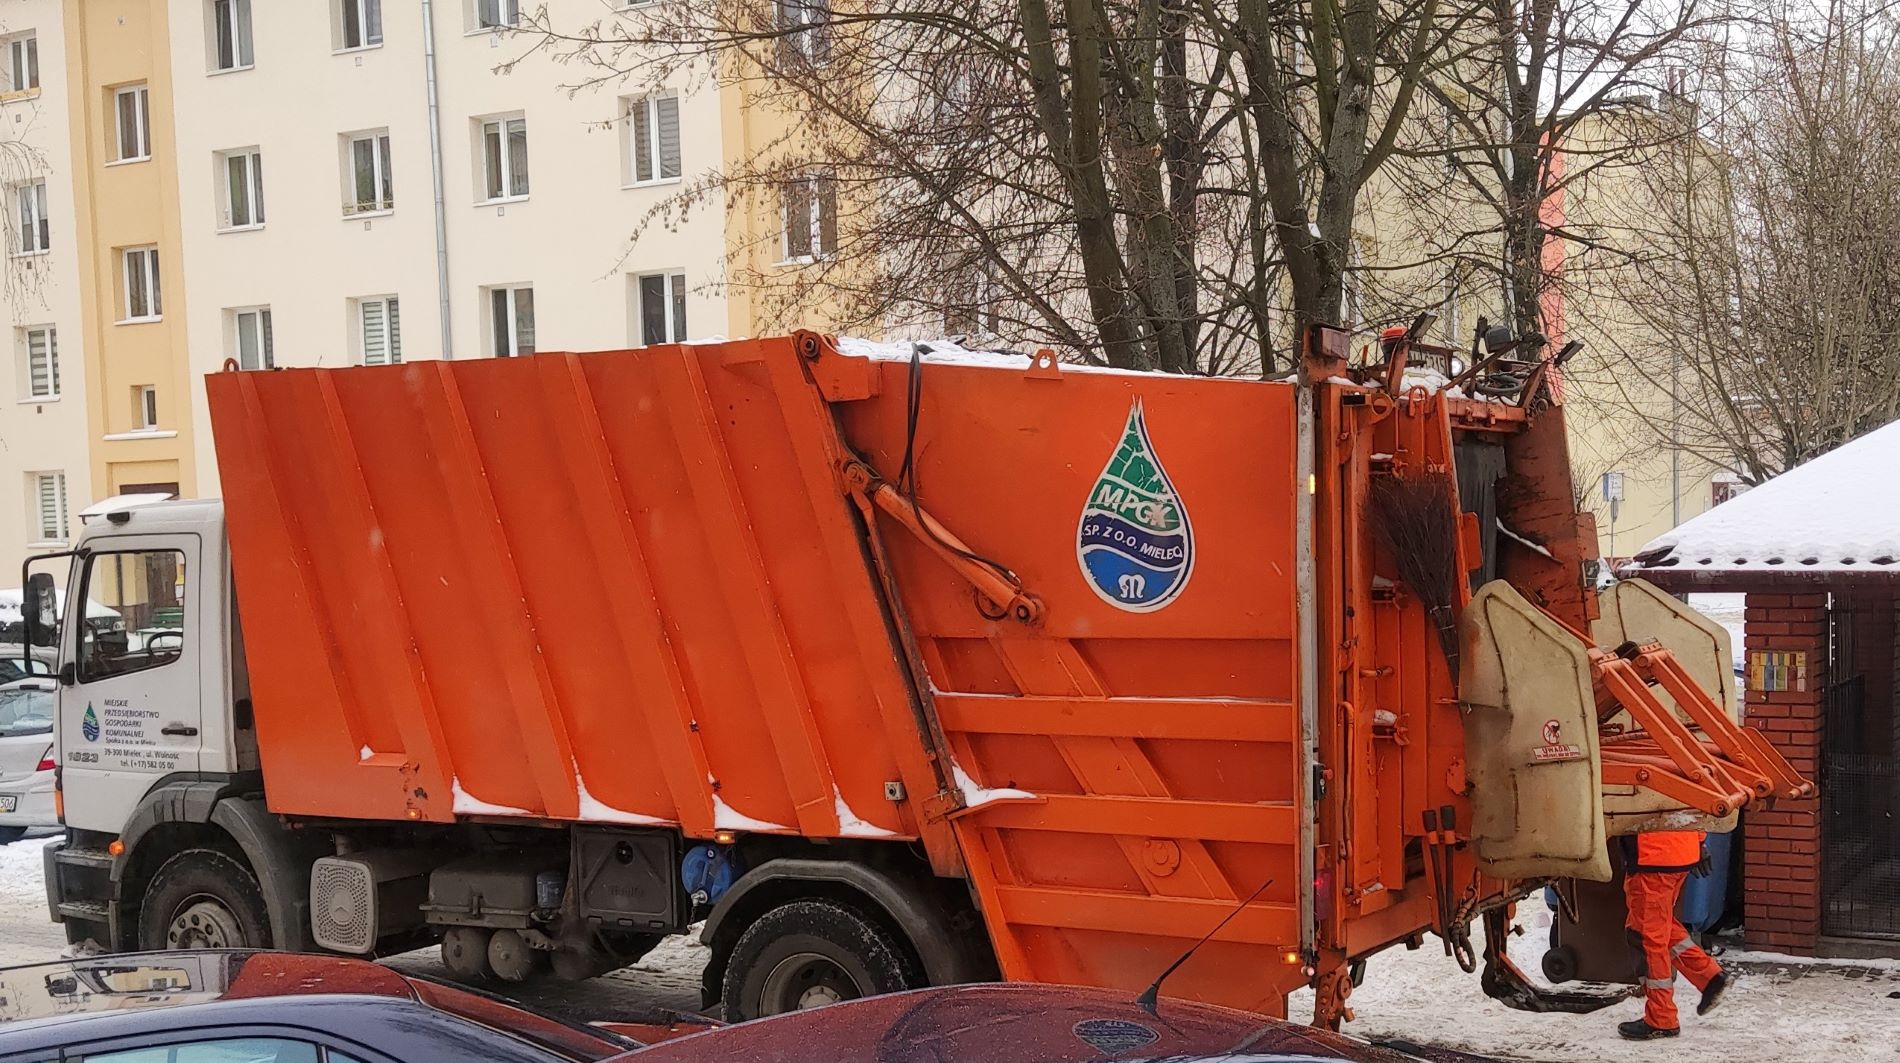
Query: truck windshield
{"points": [[25, 712]]}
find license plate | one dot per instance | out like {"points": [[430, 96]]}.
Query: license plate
{"points": [[9, 802]]}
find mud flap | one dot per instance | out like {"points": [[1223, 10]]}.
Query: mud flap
{"points": [[1505, 983], [1530, 742]]}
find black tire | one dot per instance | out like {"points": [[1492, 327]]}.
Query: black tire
{"points": [[11, 834], [1560, 964], [813, 952], [204, 898]]}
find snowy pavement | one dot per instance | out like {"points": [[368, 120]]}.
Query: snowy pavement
{"points": [[1779, 1009]]}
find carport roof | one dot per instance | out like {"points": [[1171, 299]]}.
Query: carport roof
{"points": [[1837, 515]]}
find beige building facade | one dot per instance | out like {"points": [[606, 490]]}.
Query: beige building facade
{"points": [[45, 467]]}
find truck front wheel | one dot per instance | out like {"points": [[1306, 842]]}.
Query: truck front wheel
{"points": [[810, 953], [204, 899]]}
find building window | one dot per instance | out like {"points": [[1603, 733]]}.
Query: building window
{"points": [[972, 306], [805, 30], [41, 346], [251, 338], [35, 236], [145, 407], [49, 505], [809, 209], [243, 188], [662, 307], [230, 34], [379, 323], [511, 320], [368, 187], [132, 105], [138, 274], [359, 24], [505, 157], [493, 14], [653, 139], [23, 63]]}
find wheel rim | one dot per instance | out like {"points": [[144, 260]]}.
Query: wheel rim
{"points": [[807, 980], [204, 923]]}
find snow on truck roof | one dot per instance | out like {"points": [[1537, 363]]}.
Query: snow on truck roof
{"points": [[1835, 513]]}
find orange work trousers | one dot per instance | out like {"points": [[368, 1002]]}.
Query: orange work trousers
{"points": [[1662, 945]]}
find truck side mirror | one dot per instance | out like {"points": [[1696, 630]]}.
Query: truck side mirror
{"points": [[40, 610]]}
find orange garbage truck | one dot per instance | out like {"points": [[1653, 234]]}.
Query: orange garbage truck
{"points": [[875, 666]]}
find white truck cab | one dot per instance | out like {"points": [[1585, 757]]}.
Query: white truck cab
{"points": [[154, 739]]}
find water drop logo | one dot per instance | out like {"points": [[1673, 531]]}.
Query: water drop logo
{"points": [[89, 724], [1135, 544]]}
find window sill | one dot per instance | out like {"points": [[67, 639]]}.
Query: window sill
{"points": [[16, 95], [217, 70], [131, 161], [491, 31], [33, 254], [656, 183], [358, 50], [36, 400], [240, 228], [141, 433], [154, 319], [503, 201], [367, 214], [802, 260], [48, 544]]}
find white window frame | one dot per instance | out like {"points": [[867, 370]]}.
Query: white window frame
{"points": [[513, 186], [357, 15], [382, 174], [504, 323], [648, 108], [151, 286], [388, 329], [507, 15], [672, 296], [253, 192], [40, 386], [145, 408], [141, 97], [236, 19], [817, 186], [259, 320], [811, 39], [35, 232], [60, 528], [23, 63]]}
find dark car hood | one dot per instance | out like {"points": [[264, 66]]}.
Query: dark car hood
{"points": [[1012, 1023]]}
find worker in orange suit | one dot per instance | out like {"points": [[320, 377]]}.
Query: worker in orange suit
{"points": [[1655, 865]]}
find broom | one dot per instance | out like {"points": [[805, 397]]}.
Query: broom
{"points": [[1416, 522]]}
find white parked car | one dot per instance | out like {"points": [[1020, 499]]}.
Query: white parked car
{"points": [[26, 758]]}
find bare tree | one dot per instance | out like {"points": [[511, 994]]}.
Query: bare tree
{"points": [[1766, 328], [1166, 184]]}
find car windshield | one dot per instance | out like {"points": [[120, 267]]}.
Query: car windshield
{"points": [[25, 712]]}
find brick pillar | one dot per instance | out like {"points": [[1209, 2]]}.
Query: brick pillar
{"points": [[1782, 869]]}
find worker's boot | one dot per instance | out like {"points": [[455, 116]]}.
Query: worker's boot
{"points": [[1713, 994], [1638, 1030]]}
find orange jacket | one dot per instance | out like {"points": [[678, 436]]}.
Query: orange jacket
{"points": [[1662, 850]]}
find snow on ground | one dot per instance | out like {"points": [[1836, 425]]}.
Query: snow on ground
{"points": [[1789, 1011], [1780, 1009]]}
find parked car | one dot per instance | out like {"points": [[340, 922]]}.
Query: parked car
{"points": [[26, 758], [16, 664], [264, 1007], [216, 1006]]}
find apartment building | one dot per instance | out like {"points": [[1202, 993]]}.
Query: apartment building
{"points": [[43, 451], [362, 182]]}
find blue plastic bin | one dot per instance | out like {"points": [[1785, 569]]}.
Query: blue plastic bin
{"points": [[1703, 899]]}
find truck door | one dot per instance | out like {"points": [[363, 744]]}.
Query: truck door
{"points": [[129, 710]]}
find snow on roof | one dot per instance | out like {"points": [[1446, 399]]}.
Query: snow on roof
{"points": [[951, 352], [1836, 513]]}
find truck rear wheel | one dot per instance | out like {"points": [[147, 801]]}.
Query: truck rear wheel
{"points": [[810, 953], [204, 899]]}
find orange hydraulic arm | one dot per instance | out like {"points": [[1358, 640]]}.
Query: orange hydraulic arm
{"points": [[1717, 772]]}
